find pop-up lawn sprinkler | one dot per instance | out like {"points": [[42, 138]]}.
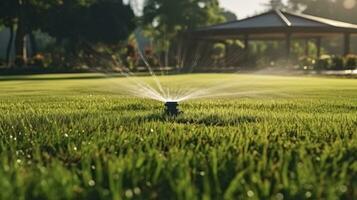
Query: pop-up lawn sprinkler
{"points": [[171, 108]]}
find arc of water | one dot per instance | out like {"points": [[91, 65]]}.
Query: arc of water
{"points": [[140, 84], [158, 84]]}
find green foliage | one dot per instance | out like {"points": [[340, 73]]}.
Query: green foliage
{"points": [[106, 22], [351, 62], [337, 63], [335, 9], [306, 63], [323, 63], [7, 12], [334, 63], [72, 137], [165, 20]]}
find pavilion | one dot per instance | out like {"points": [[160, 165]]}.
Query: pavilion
{"points": [[278, 25]]}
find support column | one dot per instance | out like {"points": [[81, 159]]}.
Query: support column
{"points": [[288, 46], [347, 44], [225, 58], [246, 48], [318, 47], [307, 47]]}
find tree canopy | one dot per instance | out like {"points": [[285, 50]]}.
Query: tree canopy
{"points": [[344, 10], [106, 22], [164, 20], [93, 21]]}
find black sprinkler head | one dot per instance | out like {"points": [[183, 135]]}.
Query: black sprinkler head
{"points": [[171, 108]]}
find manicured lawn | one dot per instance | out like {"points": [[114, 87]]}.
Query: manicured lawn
{"points": [[83, 136]]}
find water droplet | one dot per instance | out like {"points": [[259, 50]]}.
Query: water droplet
{"points": [[308, 194], [129, 194], [343, 188], [279, 196], [91, 183], [250, 193], [137, 191]]}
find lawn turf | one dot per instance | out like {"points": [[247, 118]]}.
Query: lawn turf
{"points": [[83, 136]]}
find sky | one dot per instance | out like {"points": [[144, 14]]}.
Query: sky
{"points": [[242, 8]]}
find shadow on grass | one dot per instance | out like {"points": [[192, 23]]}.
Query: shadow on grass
{"points": [[209, 120], [66, 76], [31, 78], [134, 107]]}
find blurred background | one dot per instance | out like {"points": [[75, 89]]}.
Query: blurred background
{"points": [[42, 36]]}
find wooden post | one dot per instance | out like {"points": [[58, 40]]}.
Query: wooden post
{"points": [[318, 47], [347, 45]]}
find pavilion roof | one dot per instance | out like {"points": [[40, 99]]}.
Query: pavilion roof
{"points": [[279, 21]]}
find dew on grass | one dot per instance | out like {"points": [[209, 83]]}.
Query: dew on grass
{"points": [[137, 190], [129, 194], [91, 183], [279, 196], [343, 189], [308, 194]]}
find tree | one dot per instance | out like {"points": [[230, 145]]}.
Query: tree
{"points": [[229, 16], [110, 22], [275, 4], [344, 10], [8, 19], [22, 16], [104, 22], [164, 20], [95, 21]]}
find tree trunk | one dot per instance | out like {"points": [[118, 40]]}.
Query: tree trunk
{"points": [[33, 44], [167, 54], [20, 46], [9, 46]]}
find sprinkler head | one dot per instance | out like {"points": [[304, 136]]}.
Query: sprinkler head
{"points": [[171, 108]]}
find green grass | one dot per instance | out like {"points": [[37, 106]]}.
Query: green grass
{"points": [[82, 137]]}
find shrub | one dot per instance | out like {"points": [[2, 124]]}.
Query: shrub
{"points": [[38, 61], [306, 62], [337, 63], [351, 62], [323, 63]]}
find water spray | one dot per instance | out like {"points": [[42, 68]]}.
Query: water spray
{"points": [[171, 108]]}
